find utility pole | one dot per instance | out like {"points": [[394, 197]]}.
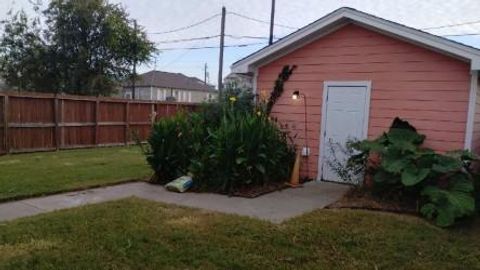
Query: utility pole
{"points": [[272, 21], [134, 59], [205, 75], [220, 60]]}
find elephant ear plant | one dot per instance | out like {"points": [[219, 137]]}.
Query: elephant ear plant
{"points": [[443, 184]]}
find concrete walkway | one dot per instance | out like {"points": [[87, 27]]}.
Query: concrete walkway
{"points": [[275, 207]]}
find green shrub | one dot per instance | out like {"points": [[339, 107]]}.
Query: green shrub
{"points": [[225, 146], [170, 146], [247, 150], [442, 183]]}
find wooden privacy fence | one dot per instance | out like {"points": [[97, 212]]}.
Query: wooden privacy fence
{"points": [[44, 122]]}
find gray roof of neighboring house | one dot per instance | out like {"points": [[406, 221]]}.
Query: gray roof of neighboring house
{"points": [[170, 80]]}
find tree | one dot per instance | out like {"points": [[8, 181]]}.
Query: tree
{"points": [[85, 47]]}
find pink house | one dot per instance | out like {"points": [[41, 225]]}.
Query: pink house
{"points": [[358, 72]]}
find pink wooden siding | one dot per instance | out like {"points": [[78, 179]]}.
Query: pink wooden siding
{"points": [[424, 87]]}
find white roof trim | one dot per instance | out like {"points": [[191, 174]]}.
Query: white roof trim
{"points": [[338, 18]]}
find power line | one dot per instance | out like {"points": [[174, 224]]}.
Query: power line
{"points": [[188, 26], [461, 35], [212, 47], [209, 37], [449, 25], [246, 37], [261, 21], [186, 39]]}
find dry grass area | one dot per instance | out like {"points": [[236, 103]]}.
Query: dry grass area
{"points": [[139, 234]]}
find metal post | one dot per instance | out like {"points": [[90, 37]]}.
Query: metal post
{"points": [[272, 21], [134, 59], [307, 150], [220, 61]]}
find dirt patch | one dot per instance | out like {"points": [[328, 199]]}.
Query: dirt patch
{"points": [[8, 251], [358, 198], [260, 190]]}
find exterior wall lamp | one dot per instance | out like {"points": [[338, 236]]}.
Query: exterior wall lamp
{"points": [[296, 95]]}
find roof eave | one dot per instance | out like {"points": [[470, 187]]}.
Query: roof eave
{"points": [[336, 19]]}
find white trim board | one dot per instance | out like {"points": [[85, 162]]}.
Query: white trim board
{"points": [[326, 85], [472, 103], [341, 16]]}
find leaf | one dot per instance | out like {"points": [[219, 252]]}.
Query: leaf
{"points": [[260, 168], [463, 203], [445, 217], [404, 136], [464, 155], [446, 164], [449, 204], [394, 161], [240, 160], [367, 146], [412, 176], [383, 177], [426, 159], [428, 210]]}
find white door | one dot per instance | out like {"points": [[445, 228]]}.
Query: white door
{"points": [[345, 118]]}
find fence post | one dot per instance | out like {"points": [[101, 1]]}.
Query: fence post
{"points": [[127, 121], [97, 119], [153, 116], [55, 119], [62, 120], [5, 124]]}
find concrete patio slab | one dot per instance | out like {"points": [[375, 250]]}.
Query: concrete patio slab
{"points": [[275, 207]]}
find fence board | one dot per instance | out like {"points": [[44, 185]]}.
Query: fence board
{"points": [[44, 122], [3, 128]]}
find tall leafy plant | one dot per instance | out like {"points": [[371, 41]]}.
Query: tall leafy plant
{"points": [[442, 183], [249, 150], [226, 146], [170, 147]]}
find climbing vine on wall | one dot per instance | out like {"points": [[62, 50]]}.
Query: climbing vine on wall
{"points": [[278, 87]]}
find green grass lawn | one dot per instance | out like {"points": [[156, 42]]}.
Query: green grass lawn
{"points": [[26, 175], [138, 234]]}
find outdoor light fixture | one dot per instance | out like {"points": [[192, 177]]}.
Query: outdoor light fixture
{"points": [[295, 95], [305, 150]]}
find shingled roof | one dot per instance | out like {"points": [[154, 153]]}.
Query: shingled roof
{"points": [[170, 80]]}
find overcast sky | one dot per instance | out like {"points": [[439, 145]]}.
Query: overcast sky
{"points": [[165, 15]]}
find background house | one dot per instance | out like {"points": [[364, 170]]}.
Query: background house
{"points": [[358, 72], [3, 85], [159, 85], [239, 80]]}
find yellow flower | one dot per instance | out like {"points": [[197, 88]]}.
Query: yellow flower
{"points": [[259, 113], [233, 99]]}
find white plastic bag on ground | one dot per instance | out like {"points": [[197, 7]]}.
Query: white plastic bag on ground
{"points": [[180, 184]]}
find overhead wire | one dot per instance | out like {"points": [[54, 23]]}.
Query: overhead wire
{"points": [[449, 25], [187, 39], [261, 21], [210, 37], [212, 47], [461, 35], [187, 26]]}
